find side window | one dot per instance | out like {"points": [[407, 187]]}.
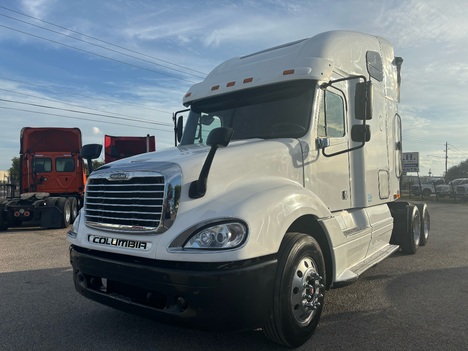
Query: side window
{"points": [[331, 122], [41, 165], [64, 164]]}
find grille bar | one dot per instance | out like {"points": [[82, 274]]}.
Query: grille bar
{"points": [[121, 205], [112, 219], [131, 212]]}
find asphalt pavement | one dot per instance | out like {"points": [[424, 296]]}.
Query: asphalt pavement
{"points": [[406, 302]]}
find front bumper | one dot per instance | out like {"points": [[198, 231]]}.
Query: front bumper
{"points": [[230, 296]]}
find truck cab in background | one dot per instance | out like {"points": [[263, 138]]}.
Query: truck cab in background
{"points": [[284, 184], [118, 147], [52, 179]]}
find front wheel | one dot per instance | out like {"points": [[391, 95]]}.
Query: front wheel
{"points": [[298, 292]]}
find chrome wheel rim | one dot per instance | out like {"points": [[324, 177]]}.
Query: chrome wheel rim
{"points": [[416, 228], [426, 227], [67, 213], [306, 291]]}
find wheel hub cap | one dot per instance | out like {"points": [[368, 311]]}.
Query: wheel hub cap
{"points": [[306, 291]]}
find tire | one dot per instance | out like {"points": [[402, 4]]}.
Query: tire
{"points": [[298, 291], [411, 238], [74, 209], [427, 192], [63, 204], [425, 224]]}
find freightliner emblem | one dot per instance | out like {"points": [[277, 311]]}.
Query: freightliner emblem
{"points": [[118, 176]]}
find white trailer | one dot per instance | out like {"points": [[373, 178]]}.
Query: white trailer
{"points": [[284, 184]]}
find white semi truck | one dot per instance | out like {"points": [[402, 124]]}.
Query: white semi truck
{"points": [[284, 184]]}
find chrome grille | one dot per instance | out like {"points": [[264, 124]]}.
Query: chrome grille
{"points": [[133, 204]]}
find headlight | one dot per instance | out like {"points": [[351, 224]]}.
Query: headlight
{"points": [[219, 236], [76, 224]]}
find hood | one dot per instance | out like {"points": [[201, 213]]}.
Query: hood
{"points": [[254, 158]]}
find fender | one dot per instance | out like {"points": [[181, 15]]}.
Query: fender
{"points": [[283, 202]]}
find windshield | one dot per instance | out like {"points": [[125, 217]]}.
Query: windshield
{"points": [[275, 111]]}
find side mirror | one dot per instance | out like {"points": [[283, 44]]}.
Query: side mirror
{"points": [[218, 137], [363, 101], [179, 128], [360, 133], [90, 152]]}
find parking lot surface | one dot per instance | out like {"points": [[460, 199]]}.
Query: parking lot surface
{"points": [[407, 302]]}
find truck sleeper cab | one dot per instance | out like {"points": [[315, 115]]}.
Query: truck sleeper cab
{"points": [[283, 185]]}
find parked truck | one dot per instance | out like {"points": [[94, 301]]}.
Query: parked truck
{"points": [[52, 179], [426, 186], [285, 183], [118, 147], [450, 189], [462, 190]]}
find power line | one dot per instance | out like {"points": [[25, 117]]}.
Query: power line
{"points": [[87, 113], [102, 47], [100, 40], [458, 150], [84, 95], [96, 54], [65, 103], [82, 119], [413, 139]]}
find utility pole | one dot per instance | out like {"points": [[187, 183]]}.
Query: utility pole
{"points": [[446, 156]]}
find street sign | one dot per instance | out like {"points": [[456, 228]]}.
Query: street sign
{"points": [[410, 162]]}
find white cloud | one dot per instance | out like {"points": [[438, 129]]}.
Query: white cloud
{"points": [[429, 34], [420, 22], [37, 8]]}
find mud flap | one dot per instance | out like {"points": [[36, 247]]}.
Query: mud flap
{"points": [[51, 217], [399, 211]]}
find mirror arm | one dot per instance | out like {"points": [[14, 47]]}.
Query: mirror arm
{"points": [[218, 137], [331, 82], [326, 85], [343, 151]]}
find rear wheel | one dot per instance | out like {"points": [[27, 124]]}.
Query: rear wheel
{"points": [[425, 224], [298, 292], [73, 209], [63, 204], [411, 238]]}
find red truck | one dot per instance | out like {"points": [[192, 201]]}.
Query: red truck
{"points": [[52, 179], [118, 147]]}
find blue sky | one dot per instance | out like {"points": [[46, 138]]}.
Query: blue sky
{"points": [[121, 67]]}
